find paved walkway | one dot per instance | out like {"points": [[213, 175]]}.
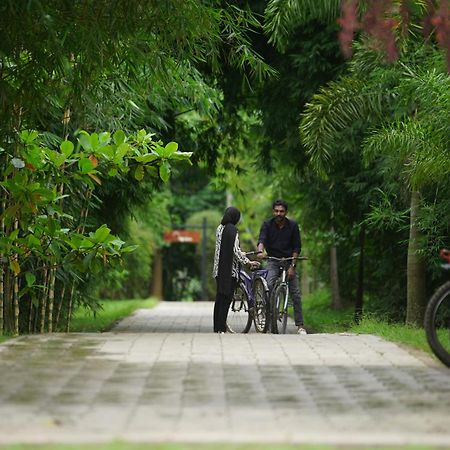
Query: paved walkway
{"points": [[161, 375]]}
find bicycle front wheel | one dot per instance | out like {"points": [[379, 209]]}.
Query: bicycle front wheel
{"points": [[437, 323], [239, 319], [260, 315], [279, 309]]}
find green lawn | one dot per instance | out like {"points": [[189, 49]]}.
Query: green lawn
{"points": [[320, 318], [203, 446], [111, 312]]}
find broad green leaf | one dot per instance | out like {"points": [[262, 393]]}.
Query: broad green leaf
{"points": [[103, 139], [28, 136], [181, 155], [107, 151], [170, 148], [121, 151], [139, 172], [85, 165], [149, 157], [102, 233], [119, 137], [86, 243], [13, 235], [33, 241], [94, 141], [30, 278], [164, 171], [129, 248], [85, 141], [66, 148], [14, 266]]}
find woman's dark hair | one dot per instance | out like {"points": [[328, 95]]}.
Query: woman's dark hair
{"points": [[280, 202], [231, 215]]}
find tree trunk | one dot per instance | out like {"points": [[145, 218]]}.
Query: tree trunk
{"points": [[416, 270], [156, 289], [336, 302], [359, 301]]}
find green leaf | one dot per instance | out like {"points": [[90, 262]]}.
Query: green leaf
{"points": [[66, 148], [164, 171], [103, 139], [181, 155], [94, 141], [121, 151], [30, 278], [28, 136], [85, 165], [149, 157], [14, 266], [119, 137], [102, 233], [170, 148], [139, 172], [85, 141]]}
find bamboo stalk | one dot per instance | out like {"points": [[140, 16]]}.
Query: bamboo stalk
{"points": [[2, 287], [30, 317], [43, 304], [69, 307], [51, 297], [2, 276], [16, 310], [16, 306], [59, 306]]}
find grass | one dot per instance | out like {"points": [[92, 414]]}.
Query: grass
{"points": [[322, 319], [202, 446], [111, 312]]}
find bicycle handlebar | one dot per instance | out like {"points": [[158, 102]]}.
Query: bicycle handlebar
{"points": [[290, 258], [256, 252]]}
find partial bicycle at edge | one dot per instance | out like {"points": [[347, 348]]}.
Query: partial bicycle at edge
{"points": [[437, 316]]}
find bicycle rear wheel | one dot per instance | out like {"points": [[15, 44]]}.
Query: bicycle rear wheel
{"points": [[279, 312], [239, 319], [260, 315], [437, 323]]}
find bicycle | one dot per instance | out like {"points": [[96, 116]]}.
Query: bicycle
{"points": [[249, 301], [279, 298], [437, 317]]}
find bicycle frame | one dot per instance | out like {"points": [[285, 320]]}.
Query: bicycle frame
{"points": [[278, 310], [247, 280]]}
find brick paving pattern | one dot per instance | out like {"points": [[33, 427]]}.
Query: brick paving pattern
{"points": [[162, 375]]}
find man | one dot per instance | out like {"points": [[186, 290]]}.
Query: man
{"points": [[280, 237]]}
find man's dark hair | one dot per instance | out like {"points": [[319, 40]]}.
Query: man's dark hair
{"points": [[280, 202]]}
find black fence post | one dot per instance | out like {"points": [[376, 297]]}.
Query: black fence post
{"points": [[203, 268]]}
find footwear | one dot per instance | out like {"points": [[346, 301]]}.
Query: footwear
{"points": [[301, 330], [221, 332]]}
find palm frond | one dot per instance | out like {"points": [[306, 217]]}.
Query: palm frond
{"points": [[283, 16], [332, 110]]}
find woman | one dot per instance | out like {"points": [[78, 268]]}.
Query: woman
{"points": [[227, 257]]}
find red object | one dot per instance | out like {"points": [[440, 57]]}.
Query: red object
{"points": [[182, 236]]}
